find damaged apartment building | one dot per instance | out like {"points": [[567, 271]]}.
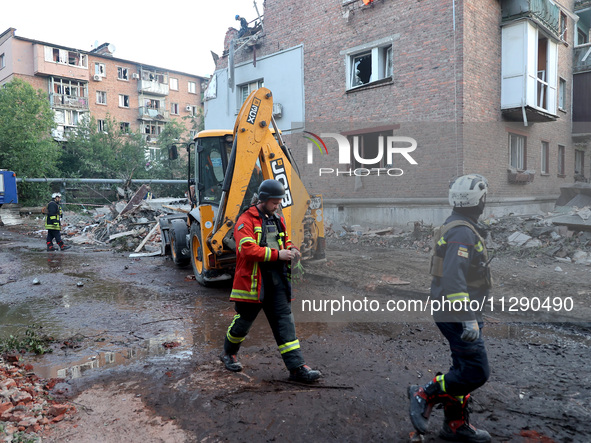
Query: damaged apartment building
{"points": [[79, 84], [483, 86]]}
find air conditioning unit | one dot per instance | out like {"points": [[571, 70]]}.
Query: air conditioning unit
{"points": [[136, 76], [97, 78], [188, 108], [277, 110]]}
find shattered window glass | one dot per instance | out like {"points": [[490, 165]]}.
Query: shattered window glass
{"points": [[361, 69]]}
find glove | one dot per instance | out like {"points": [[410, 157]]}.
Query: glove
{"points": [[471, 331]]}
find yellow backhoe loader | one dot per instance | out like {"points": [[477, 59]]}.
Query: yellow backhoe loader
{"points": [[229, 166]]}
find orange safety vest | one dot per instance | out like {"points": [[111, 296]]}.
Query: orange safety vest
{"points": [[248, 232]]}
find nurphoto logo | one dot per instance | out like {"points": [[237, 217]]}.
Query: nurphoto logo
{"points": [[387, 147]]}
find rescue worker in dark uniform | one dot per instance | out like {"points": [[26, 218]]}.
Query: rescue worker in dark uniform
{"points": [[53, 221], [261, 281], [460, 273]]}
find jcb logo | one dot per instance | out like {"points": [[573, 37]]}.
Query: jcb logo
{"points": [[278, 169], [254, 110]]}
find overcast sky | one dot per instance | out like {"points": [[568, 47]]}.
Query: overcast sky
{"points": [[172, 34]]}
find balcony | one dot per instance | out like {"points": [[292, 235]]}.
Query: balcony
{"points": [[543, 12], [68, 101], [151, 82], [147, 113]]}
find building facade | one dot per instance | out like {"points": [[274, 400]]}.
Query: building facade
{"points": [[139, 97], [481, 86]]}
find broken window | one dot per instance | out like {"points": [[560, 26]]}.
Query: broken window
{"points": [[122, 73], [63, 56], [152, 104], [124, 127], [154, 76], [123, 101], [99, 69], [174, 108], [517, 151], [101, 125], [193, 87], [361, 69], [371, 65], [101, 97], [174, 84]]}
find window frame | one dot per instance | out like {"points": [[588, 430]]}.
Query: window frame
{"points": [[545, 158], [120, 70], [2, 60], [580, 154], [382, 62], [102, 94], [123, 96], [561, 165], [174, 108], [176, 80], [248, 87], [521, 157], [194, 91], [562, 94], [98, 65], [125, 127]]}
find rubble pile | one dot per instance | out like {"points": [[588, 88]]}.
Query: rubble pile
{"points": [[125, 225], [557, 235], [25, 406]]}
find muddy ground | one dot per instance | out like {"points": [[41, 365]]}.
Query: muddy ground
{"points": [[117, 322]]}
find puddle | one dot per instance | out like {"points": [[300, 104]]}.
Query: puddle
{"points": [[78, 363]]}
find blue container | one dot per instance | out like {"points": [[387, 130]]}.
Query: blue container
{"points": [[8, 187]]}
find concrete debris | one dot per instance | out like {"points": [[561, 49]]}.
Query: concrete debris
{"points": [[538, 235]]}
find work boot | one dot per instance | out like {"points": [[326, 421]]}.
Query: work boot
{"points": [[456, 424], [231, 362], [50, 247], [64, 247], [304, 374], [422, 400]]}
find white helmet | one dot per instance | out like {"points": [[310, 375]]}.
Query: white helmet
{"points": [[467, 191], [56, 194]]}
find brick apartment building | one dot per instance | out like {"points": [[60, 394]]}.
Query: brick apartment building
{"points": [[482, 86], [79, 83]]}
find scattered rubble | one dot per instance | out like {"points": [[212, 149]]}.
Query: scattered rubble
{"points": [[25, 405], [544, 235]]}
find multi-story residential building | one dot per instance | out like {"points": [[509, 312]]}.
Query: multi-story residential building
{"points": [[138, 96], [481, 86]]}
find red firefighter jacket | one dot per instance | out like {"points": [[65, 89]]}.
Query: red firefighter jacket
{"points": [[247, 234]]}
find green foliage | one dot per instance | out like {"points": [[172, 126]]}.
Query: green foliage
{"points": [[31, 342], [26, 145], [111, 153]]}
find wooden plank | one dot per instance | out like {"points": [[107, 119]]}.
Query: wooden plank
{"points": [[145, 240], [174, 208], [135, 200], [122, 234]]}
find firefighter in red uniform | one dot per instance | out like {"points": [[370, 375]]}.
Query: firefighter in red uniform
{"points": [[263, 251]]}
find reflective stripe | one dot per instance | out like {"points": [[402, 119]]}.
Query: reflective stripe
{"points": [[245, 240], [231, 338], [244, 295], [290, 346], [441, 380], [253, 279], [479, 247], [441, 242], [267, 254], [458, 296], [258, 229]]}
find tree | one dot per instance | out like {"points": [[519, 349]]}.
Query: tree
{"points": [[112, 153], [26, 145], [26, 121]]}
